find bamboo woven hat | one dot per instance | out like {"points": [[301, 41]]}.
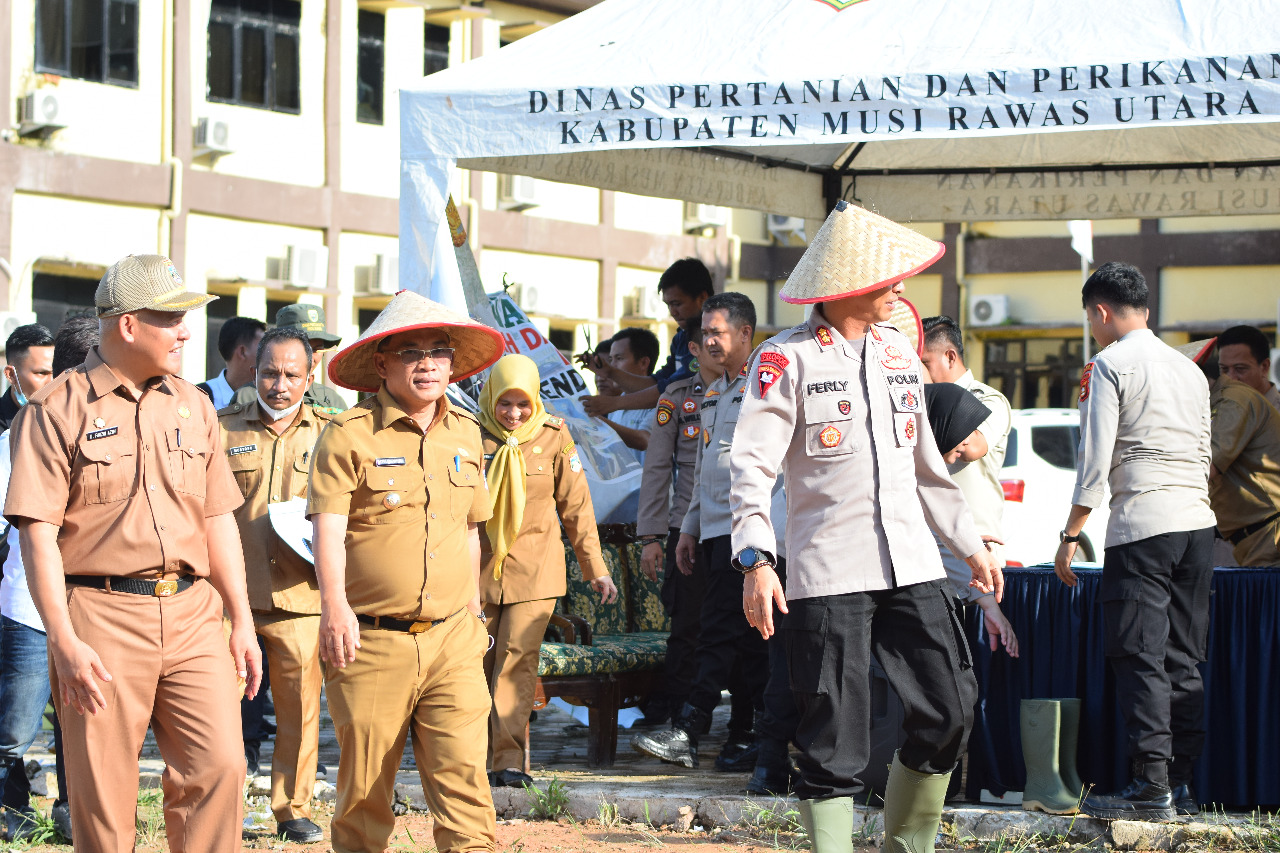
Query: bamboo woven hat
{"points": [[906, 319], [477, 346], [1197, 350], [857, 251]]}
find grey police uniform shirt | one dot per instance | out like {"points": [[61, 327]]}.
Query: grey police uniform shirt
{"points": [[709, 513], [675, 433], [845, 421], [1145, 432], [979, 481]]}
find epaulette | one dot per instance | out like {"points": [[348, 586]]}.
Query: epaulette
{"points": [[232, 408], [555, 422], [362, 409], [326, 412], [463, 413]]}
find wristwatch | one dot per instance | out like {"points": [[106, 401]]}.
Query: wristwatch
{"points": [[749, 559], [1063, 537]]}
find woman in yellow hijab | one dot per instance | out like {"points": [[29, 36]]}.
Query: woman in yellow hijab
{"points": [[533, 474]]}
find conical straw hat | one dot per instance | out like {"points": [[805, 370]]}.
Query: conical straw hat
{"points": [[906, 319], [477, 346], [1197, 350], [855, 252]]}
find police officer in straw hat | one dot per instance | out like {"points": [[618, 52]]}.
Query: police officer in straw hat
{"points": [[837, 403], [396, 496], [124, 495]]}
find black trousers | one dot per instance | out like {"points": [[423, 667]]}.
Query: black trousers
{"points": [[776, 724], [726, 635], [682, 597], [1155, 608], [916, 634]]}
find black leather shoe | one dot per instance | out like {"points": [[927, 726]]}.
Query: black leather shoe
{"points": [[673, 746], [61, 816], [252, 749], [1142, 800], [771, 782], [299, 831], [1185, 802], [509, 779], [737, 757]]}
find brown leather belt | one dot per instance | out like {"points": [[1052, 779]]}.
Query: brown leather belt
{"points": [[386, 623], [1245, 532], [135, 586]]}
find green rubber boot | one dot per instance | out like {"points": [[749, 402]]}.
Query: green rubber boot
{"points": [[829, 824], [1068, 738], [1044, 791], [912, 808]]}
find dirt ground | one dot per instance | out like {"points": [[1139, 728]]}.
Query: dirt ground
{"points": [[413, 832]]}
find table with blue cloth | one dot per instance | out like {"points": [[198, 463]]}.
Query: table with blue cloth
{"points": [[1060, 635]]}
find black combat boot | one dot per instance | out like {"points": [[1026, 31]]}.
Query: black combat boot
{"points": [[1148, 796], [679, 744], [1185, 801]]}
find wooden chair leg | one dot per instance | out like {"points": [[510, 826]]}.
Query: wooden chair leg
{"points": [[602, 737]]}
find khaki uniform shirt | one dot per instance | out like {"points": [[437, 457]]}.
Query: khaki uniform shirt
{"points": [[1246, 452], [269, 469], [554, 486], [408, 498], [1273, 396], [675, 432], [845, 421], [980, 480], [708, 514], [130, 481], [1144, 431]]}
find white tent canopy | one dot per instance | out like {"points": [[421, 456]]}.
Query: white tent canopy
{"points": [[923, 109]]}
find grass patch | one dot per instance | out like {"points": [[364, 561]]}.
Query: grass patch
{"points": [[551, 803]]}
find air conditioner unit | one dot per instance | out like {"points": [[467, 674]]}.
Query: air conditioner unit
{"points": [[784, 228], [700, 216], [651, 304], [42, 112], [382, 277], [305, 266], [10, 320], [517, 192], [212, 137], [990, 310], [526, 296]]}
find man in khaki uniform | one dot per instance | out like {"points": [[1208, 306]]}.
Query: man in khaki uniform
{"points": [[1244, 482], [268, 444], [665, 489], [1244, 354], [837, 404], [397, 491], [132, 553]]}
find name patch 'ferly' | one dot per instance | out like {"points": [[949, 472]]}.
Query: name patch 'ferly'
{"points": [[388, 461], [101, 433], [244, 448]]}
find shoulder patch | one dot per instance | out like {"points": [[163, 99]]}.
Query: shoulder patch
{"points": [[825, 339], [1085, 378], [569, 449], [666, 408], [555, 422], [770, 368]]}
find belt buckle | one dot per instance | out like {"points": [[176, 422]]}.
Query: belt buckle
{"points": [[164, 589], [419, 627]]}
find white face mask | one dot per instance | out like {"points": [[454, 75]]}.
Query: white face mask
{"points": [[275, 414]]}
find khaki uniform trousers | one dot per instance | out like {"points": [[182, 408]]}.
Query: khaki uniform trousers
{"points": [[169, 668], [292, 642], [430, 685], [512, 671]]}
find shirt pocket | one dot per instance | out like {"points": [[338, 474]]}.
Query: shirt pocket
{"points": [[464, 477], [247, 469], [390, 492], [188, 463], [110, 470], [298, 478], [829, 428]]}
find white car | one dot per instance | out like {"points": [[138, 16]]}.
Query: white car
{"points": [[1038, 477]]}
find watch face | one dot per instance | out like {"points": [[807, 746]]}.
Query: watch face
{"points": [[748, 557]]}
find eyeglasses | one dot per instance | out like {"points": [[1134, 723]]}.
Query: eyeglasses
{"points": [[440, 355]]}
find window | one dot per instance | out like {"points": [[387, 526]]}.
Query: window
{"points": [[253, 54], [57, 298], [94, 40], [435, 52], [1056, 445], [372, 28], [1035, 372]]}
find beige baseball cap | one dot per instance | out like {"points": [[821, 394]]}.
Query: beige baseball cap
{"points": [[145, 282]]}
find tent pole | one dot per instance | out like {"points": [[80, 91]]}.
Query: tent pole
{"points": [[1084, 276]]}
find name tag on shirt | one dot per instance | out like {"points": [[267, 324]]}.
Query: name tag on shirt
{"points": [[388, 461], [244, 448], [101, 433], [904, 428]]}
